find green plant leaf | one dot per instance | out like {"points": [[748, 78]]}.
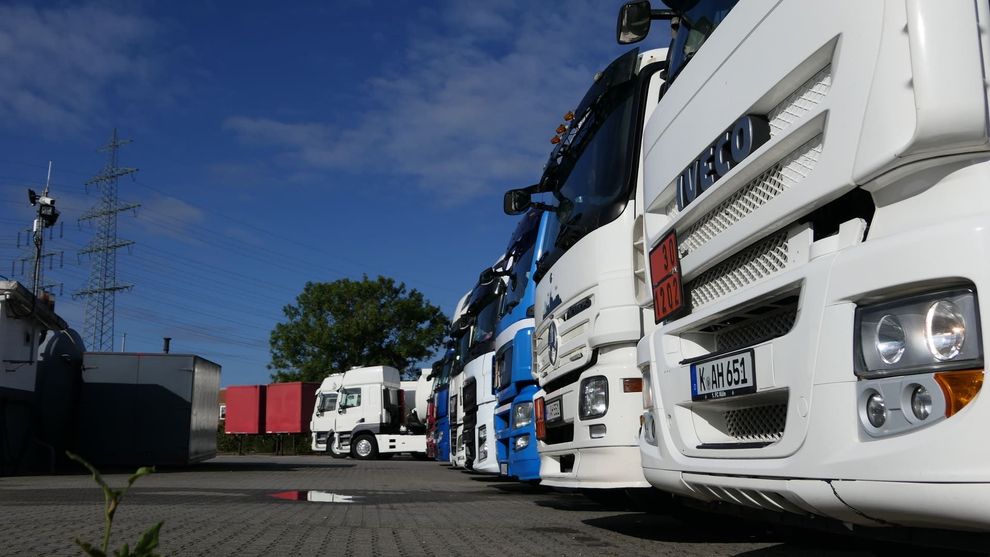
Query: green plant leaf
{"points": [[89, 549], [142, 471], [148, 542]]}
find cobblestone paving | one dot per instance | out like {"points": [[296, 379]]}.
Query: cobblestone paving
{"points": [[397, 507]]}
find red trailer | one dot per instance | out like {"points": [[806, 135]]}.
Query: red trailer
{"points": [[289, 407], [245, 410]]}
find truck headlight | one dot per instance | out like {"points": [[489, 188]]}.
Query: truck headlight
{"points": [[594, 397], [938, 331], [522, 442], [522, 414], [921, 402], [876, 410], [482, 435], [945, 330]]}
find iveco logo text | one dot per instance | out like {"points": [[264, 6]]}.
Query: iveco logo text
{"points": [[734, 145], [552, 343]]}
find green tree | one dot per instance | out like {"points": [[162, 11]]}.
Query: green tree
{"points": [[334, 326]]}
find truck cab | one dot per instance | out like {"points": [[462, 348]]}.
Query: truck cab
{"points": [[512, 376], [817, 223], [591, 282], [371, 416], [477, 393], [460, 339], [441, 419], [323, 422]]}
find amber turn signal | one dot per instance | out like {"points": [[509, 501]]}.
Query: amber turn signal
{"points": [[959, 387], [555, 140], [632, 385], [561, 129], [569, 116]]}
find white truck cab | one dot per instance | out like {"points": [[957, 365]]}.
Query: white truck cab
{"points": [[370, 418], [591, 283]]}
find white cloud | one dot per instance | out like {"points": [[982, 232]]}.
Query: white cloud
{"points": [[470, 106], [61, 64]]}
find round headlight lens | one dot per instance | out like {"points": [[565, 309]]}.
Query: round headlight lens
{"points": [[876, 410], [945, 330], [890, 339], [921, 402]]}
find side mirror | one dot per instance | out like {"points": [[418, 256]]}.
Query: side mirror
{"points": [[342, 410], [516, 202], [634, 20]]}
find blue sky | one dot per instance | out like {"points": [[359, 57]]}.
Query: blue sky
{"points": [[280, 143]]}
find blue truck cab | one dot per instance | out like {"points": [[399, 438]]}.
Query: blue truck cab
{"points": [[441, 419], [513, 380]]}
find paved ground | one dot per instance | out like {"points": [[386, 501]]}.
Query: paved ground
{"points": [[397, 507]]}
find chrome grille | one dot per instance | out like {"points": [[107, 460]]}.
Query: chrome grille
{"points": [[780, 177], [755, 263], [801, 101], [757, 423]]}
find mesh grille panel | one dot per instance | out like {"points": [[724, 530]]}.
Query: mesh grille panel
{"points": [[801, 101], [757, 423], [774, 324], [753, 264], [780, 177]]}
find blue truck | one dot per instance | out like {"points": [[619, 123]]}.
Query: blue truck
{"points": [[513, 381]]}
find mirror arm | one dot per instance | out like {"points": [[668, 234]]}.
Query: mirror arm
{"points": [[662, 14]]}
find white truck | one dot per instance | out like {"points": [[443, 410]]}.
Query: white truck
{"points": [[367, 418], [817, 224], [591, 283]]}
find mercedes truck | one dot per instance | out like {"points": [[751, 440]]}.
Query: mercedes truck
{"points": [[514, 382], [591, 282]]}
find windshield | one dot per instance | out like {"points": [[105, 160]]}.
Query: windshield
{"points": [[483, 333], [463, 342], [696, 25], [596, 184], [520, 252]]}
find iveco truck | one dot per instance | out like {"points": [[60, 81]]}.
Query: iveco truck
{"points": [[591, 282], [514, 383], [817, 221]]}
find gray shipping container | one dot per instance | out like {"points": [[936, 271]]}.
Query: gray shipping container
{"points": [[148, 409]]}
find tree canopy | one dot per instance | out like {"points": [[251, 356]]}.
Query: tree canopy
{"points": [[334, 326]]}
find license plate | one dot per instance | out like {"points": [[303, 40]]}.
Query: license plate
{"points": [[665, 272], [553, 410], [731, 375], [503, 468]]}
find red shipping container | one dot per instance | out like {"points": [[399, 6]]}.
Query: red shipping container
{"points": [[289, 407], [245, 409]]}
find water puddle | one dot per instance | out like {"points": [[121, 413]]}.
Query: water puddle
{"points": [[316, 496]]}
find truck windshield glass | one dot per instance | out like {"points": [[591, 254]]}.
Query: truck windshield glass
{"points": [[328, 402], [596, 189], [460, 353], [484, 327], [696, 25], [518, 278]]}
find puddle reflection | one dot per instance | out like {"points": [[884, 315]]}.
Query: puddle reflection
{"points": [[316, 496]]}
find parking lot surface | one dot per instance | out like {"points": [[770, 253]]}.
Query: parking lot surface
{"points": [[311, 505]]}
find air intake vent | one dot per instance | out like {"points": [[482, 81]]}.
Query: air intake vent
{"points": [[755, 263], [758, 423]]}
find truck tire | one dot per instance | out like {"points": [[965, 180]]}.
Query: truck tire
{"points": [[364, 447], [333, 453]]}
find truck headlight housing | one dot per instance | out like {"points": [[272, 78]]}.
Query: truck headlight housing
{"points": [[522, 442], [522, 414], [594, 397], [938, 331]]}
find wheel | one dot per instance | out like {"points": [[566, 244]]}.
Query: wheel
{"points": [[332, 449], [364, 448]]}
